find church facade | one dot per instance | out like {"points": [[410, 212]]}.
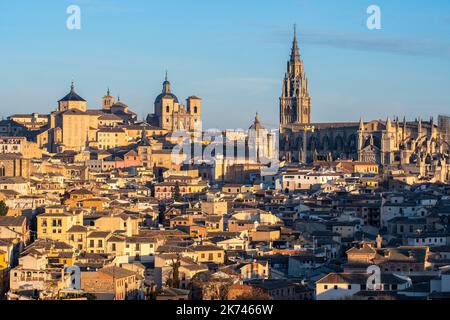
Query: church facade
{"points": [[390, 142], [171, 115]]}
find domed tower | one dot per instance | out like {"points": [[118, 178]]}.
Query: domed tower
{"points": [[165, 105], [72, 101], [260, 142]]}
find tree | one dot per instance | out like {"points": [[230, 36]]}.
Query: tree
{"points": [[254, 294], [174, 280], [177, 193], [3, 208], [162, 213], [205, 287]]}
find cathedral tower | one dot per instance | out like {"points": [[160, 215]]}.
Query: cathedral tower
{"points": [[295, 102]]}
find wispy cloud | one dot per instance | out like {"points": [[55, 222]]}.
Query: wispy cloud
{"points": [[367, 42]]}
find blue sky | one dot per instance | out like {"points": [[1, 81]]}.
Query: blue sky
{"points": [[232, 53]]}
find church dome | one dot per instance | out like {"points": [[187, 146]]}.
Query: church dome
{"points": [[72, 95], [257, 124], [166, 96], [166, 93]]}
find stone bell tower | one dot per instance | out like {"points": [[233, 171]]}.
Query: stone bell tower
{"points": [[295, 102]]}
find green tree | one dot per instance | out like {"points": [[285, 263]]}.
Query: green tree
{"points": [[174, 280], [3, 208], [162, 213], [177, 193]]}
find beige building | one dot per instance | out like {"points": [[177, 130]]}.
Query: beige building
{"points": [[56, 224], [109, 138], [14, 165], [171, 115], [120, 222], [32, 121], [214, 205], [112, 283], [20, 145], [210, 253], [74, 127]]}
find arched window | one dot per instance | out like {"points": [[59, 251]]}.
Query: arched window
{"points": [[167, 109], [2, 171], [195, 109]]}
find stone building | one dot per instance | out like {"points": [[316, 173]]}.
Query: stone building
{"points": [[14, 165], [172, 115], [20, 145], [419, 144], [75, 127]]}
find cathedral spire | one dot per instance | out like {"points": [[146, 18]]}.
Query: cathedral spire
{"points": [[388, 123], [295, 53]]}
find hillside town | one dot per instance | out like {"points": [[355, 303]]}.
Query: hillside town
{"points": [[96, 205]]}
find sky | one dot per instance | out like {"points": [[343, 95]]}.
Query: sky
{"points": [[231, 53]]}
